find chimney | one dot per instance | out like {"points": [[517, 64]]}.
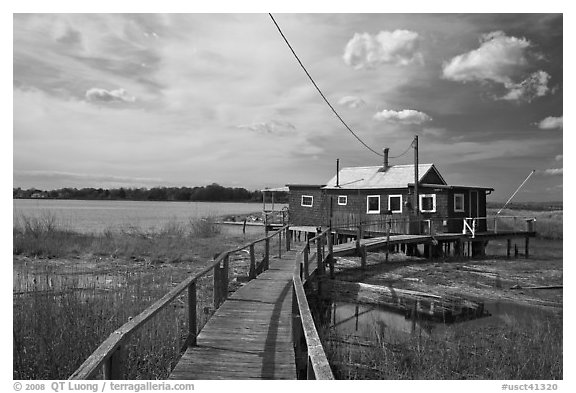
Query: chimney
{"points": [[386, 166]]}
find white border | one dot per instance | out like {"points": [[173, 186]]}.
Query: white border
{"points": [[368, 204], [395, 196], [302, 201], [433, 196]]}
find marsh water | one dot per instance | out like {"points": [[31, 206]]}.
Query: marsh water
{"points": [[367, 321], [97, 216]]}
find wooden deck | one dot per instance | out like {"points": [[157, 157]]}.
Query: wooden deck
{"points": [[250, 335]]}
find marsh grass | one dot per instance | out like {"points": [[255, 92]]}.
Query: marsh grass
{"points": [[64, 308], [549, 224], [45, 236], [531, 350]]}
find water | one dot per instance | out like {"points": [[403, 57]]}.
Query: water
{"points": [[367, 321], [96, 216]]}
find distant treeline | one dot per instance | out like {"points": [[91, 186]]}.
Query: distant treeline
{"points": [[212, 193], [534, 206]]}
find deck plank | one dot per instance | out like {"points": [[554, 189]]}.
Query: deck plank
{"points": [[250, 335]]}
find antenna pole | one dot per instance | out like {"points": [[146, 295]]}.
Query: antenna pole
{"points": [[515, 192], [416, 204], [337, 172]]}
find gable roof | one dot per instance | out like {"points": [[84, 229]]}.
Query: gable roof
{"points": [[371, 177]]}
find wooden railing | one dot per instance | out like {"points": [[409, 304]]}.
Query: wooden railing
{"points": [[109, 356], [304, 329]]}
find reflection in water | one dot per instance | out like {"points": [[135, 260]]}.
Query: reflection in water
{"points": [[372, 322]]}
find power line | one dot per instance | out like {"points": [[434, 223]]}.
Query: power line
{"points": [[319, 91], [405, 151]]}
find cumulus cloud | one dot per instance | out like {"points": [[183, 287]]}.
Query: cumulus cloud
{"points": [[503, 60], [398, 47], [351, 102], [536, 85], [434, 132], [553, 171], [102, 95], [551, 123], [559, 157], [273, 127], [405, 116]]}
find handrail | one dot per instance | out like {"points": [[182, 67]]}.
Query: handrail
{"points": [[317, 365], [107, 356]]}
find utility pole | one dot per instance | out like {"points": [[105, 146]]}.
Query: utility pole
{"points": [[416, 204]]}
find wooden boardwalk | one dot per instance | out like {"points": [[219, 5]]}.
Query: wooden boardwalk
{"points": [[250, 335]]}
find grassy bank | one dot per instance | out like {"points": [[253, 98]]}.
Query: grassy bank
{"points": [[513, 350], [72, 290]]}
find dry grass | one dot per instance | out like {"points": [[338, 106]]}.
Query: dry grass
{"points": [[44, 236], [72, 290], [509, 351]]}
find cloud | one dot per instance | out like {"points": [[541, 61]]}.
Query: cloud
{"points": [[102, 95], [351, 102], [559, 157], [273, 127], [405, 116], [536, 85], [553, 172], [551, 123], [434, 132], [398, 47], [502, 60]]}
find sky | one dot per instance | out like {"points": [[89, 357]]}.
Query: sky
{"points": [[146, 100]]}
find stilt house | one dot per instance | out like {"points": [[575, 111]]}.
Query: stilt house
{"points": [[383, 196]]}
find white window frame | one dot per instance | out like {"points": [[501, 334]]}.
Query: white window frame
{"points": [[345, 200], [421, 197], [395, 196], [307, 196], [463, 209], [368, 211]]}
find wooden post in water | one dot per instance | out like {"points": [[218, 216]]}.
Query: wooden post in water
{"points": [[192, 323], [330, 252], [252, 273], [508, 247], [515, 250], [527, 247], [363, 257]]}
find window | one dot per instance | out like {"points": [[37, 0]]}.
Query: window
{"points": [[395, 203], [307, 201], [428, 203], [459, 202], [342, 200], [373, 204]]}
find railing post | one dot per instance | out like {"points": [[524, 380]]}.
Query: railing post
{"points": [[224, 277], [309, 370], [280, 244], [330, 252], [217, 290], [113, 366], [306, 263], [288, 238], [252, 272], [192, 323], [266, 253], [319, 256]]}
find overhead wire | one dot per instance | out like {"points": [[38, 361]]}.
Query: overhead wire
{"points": [[405, 151], [320, 91]]}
